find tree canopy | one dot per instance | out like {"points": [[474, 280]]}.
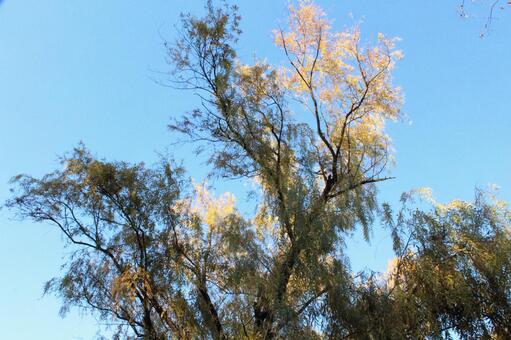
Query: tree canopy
{"points": [[164, 258]]}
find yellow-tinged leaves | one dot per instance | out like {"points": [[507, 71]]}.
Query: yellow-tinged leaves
{"points": [[344, 83], [206, 207], [129, 284], [212, 210], [265, 222]]}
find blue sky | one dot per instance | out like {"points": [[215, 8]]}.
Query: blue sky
{"points": [[75, 71]]}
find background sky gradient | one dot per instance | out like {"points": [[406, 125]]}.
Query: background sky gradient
{"points": [[74, 71]]}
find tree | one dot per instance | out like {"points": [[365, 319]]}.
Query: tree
{"points": [[462, 252], [165, 259], [117, 218]]}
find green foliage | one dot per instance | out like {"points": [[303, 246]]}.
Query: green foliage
{"points": [[455, 272], [166, 259], [115, 218]]}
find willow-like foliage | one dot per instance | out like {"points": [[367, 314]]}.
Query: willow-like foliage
{"points": [[161, 257]]}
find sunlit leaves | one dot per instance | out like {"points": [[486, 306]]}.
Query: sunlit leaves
{"points": [[350, 82], [166, 258]]}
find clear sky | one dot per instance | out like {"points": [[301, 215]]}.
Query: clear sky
{"points": [[75, 71]]}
